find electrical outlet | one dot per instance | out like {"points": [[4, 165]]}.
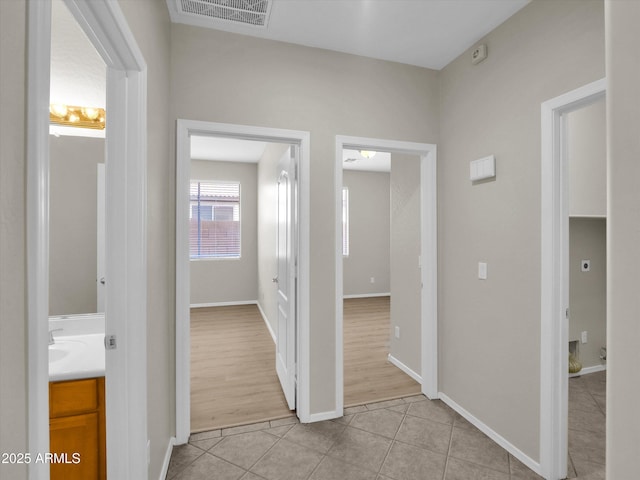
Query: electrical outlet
{"points": [[397, 332], [585, 265], [583, 337]]}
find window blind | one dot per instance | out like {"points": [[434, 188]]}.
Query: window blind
{"points": [[214, 218], [345, 222]]}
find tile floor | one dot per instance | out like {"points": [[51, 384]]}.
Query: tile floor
{"points": [[587, 408], [406, 439]]}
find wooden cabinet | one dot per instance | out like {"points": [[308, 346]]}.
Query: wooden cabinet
{"points": [[77, 429]]}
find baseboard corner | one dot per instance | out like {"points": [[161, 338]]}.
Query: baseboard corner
{"points": [[492, 434], [167, 459], [405, 369]]}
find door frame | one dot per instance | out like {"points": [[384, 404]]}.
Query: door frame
{"points": [[429, 249], [554, 378], [126, 150], [184, 130]]}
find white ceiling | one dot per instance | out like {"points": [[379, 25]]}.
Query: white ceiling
{"points": [[426, 33], [380, 162], [78, 73], [226, 149]]}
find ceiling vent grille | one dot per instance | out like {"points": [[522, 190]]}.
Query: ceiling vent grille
{"points": [[232, 12]]}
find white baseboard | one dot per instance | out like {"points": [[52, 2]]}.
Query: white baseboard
{"points": [[588, 370], [493, 435], [322, 416], [405, 369], [223, 304], [367, 295], [167, 458], [266, 322]]}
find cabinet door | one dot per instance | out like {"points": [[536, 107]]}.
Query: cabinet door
{"points": [[75, 435]]}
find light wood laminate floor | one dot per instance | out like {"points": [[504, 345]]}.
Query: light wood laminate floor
{"points": [[368, 375], [233, 377]]}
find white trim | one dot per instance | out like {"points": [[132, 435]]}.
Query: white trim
{"points": [[554, 334], [186, 128], [492, 434], [428, 201], [266, 322], [167, 459], [322, 416], [38, 75], [404, 368], [588, 370], [367, 295], [588, 216], [126, 368], [223, 304]]}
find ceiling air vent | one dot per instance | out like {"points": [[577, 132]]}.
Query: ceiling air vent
{"points": [[212, 13]]}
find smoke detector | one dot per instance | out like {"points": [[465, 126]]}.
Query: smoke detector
{"points": [[221, 13]]}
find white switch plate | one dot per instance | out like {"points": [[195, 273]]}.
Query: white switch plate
{"points": [[482, 270], [583, 337], [397, 332], [482, 168], [373, 279]]}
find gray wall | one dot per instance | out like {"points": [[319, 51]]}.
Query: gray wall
{"points": [[489, 330], [73, 205], [150, 24], [406, 278], [586, 152], [369, 234], [229, 280], [588, 290], [623, 151], [267, 230], [13, 260], [280, 85]]}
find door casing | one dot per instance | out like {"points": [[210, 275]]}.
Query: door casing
{"points": [[554, 335], [428, 215], [126, 300], [185, 129]]}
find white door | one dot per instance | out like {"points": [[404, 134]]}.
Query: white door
{"points": [[285, 279], [100, 216]]}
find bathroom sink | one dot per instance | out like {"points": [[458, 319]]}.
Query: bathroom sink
{"points": [[63, 348], [76, 356], [56, 354]]}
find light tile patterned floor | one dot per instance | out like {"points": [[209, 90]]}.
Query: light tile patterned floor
{"points": [[406, 439]]}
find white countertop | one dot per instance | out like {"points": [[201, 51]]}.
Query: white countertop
{"points": [[77, 352]]}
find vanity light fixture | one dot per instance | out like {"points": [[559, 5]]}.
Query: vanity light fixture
{"points": [[367, 153], [73, 116]]}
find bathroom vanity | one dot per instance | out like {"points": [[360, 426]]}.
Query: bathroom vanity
{"points": [[77, 429], [77, 426]]}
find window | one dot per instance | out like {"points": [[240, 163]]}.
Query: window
{"points": [[214, 220], [345, 222]]}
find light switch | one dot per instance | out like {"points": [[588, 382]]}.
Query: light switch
{"points": [[482, 168], [482, 270]]}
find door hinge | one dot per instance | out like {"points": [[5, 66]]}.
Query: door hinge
{"points": [[110, 342]]}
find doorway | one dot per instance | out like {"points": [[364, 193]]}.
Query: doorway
{"points": [[235, 286], [106, 29], [555, 262], [426, 261], [297, 239]]}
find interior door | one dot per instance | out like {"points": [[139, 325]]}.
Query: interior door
{"points": [[285, 279]]}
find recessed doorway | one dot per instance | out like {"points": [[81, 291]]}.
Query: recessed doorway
{"points": [[285, 313], [422, 327]]}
